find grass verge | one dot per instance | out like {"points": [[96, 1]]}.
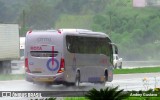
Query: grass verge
{"points": [[4, 77], [75, 98], [137, 70], [129, 98]]}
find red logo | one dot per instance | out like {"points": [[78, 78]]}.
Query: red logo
{"points": [[33, 48]]}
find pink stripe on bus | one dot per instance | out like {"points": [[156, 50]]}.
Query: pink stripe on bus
{"points": [[52, 55]]}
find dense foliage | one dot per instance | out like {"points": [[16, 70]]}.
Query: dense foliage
{"points": [[109, 93], [135, 30]]}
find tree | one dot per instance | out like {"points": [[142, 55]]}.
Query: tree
{"points": [[38, 15]]}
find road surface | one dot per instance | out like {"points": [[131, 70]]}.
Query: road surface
{"points": [[127, 82], [124, 81]]}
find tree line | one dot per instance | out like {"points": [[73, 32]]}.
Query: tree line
{"points": [[134, 30]]}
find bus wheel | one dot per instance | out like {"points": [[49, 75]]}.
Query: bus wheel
{"points": [[77, 80], [106, 76], [67, 84]]}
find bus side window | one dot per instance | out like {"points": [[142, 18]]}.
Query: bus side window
{"points": [[72, 44], [69, 43]]}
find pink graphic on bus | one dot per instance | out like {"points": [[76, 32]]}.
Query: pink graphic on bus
{"points": [[36, 48]]}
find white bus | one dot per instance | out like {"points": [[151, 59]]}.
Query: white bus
{"points": [[68, 56]]}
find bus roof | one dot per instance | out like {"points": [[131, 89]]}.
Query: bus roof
{"points": [[81, 31], [72, 31]]}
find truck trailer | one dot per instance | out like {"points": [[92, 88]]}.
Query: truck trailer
{"points": [[9, 46]]}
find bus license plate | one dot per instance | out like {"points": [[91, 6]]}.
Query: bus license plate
{"points": [[43, 79], [102, 78], [38, 69]]}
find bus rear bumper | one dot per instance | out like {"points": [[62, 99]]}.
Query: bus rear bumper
{"points": [[58, 78]]}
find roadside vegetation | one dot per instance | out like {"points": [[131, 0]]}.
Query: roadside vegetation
{"points": [[4, 77], [113, 93], [137, 70], [109, 93], [129, 98], [134, 30]]}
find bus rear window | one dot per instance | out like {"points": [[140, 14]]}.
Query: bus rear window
{"points": [[44, 53]]}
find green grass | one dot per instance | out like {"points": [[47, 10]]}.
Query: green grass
{"points": [[75, 98], [11, 77], [129, 98], [137, 70], [143, 98]]}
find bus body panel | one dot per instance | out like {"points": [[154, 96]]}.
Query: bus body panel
{"points": [[94, 69], [44, 53], [41, 46], [91, 66]]}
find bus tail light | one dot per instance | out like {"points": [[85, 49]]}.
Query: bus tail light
{"points": [[26, 65], [59, 31], [62, 64]]}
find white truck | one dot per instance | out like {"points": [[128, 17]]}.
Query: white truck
{"points": [[117, 61], [9, 46]]}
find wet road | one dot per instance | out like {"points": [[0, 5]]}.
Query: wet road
{"points": [[125, 81], [143, 81], [130, 82]]}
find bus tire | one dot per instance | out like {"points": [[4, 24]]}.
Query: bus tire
{"points": [[68, 84], [28, 79], [77, 80], [106, 76]]}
